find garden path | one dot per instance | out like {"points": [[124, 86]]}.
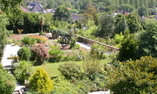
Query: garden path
{"points": [[10, 51], [86, 46]]}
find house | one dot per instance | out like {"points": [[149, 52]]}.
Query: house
{"points": [[35, 7]]}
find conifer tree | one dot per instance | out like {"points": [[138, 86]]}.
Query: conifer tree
{"points": [[40, 82]]}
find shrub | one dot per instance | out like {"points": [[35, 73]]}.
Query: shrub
{"points": [[39, 54], [98, 51], [39, 39], [92, 68], [55, 53], [118, 38], [28, 40], [134, 77], [40, 82], [128, 49], [70, 70], [24, 53], [22, 71], [7, 82]]}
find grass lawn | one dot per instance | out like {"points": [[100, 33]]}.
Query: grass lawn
{"points": [[52, 68]]}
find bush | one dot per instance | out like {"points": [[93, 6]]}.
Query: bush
{"points": [[39, 39], [7, 82], [70, 70], [24, 53], [22, 71], [28, 41], [40, 82], [55, 53], [118, 38], [134, 77], [128, 49], [98, 51], [92, 68], [39, 54]]}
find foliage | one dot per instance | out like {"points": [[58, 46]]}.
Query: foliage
{"points": [[106, 27], [134, 77], [92, 68], [97, 51], [39, 54], [3, 32], [147, 44], [39, 39], [24, 53], [121, 24], [128, 48], [28, 41], [63, 86], [70, 70], [40, 82], [55, 32], [126, 8], [134, 23], [7, 82], [118, 38], [55, 53], [22, 71], [62, 14]]}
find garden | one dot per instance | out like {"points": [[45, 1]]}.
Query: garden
{"points": [[71, 67]]}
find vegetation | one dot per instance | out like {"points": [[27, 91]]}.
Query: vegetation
{"points": [[24, 53], [7, 82], [70, 70], [40, 82], [133, 76], [38, 54], [22, 71]]}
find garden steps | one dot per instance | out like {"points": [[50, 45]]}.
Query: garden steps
{"points": [[10, 51]]}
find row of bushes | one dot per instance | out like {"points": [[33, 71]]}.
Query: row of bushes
{"points": [[32, 39]]}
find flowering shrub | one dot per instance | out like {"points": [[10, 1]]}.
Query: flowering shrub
{"points": [[39, 54]]}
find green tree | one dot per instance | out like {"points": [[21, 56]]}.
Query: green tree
{"points": [[62, 14], [3, 32], [128, 48], [40, 82], [126, 8], [106, 26], [7, 82], [134, 23], [121, 24], [143, 11], [134, 77], [22, 71], [148, 40]]}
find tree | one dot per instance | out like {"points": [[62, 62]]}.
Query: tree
{"points": [[133, 77], [22, 71], [143, 11], [121, 24], [148, 40], [40, 82], [3, 32], [106, 26], [62, 14], [134, 23], [126, 8], [7, 82], [128, 48]]}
